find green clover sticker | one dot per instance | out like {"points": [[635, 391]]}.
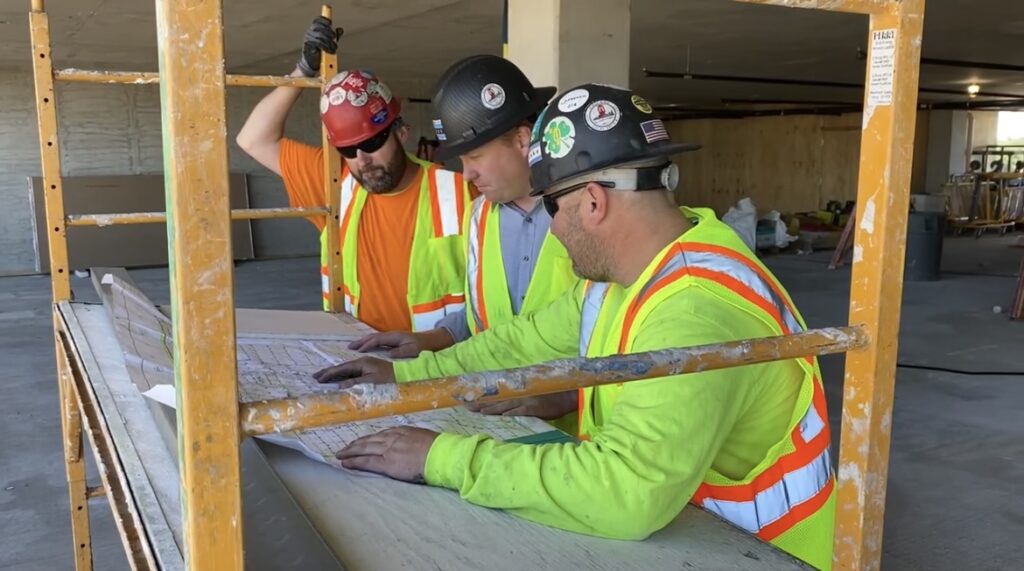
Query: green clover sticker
{"points": [[559, 136]]}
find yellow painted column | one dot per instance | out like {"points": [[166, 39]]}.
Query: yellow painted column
{"points": [[883, 202], [569, 42], [191, 49]]}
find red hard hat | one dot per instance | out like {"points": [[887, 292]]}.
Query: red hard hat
{"points": [[355, 106]]}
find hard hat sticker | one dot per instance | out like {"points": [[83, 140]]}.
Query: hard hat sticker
{"points": [[337, 79], [492, 96], [641, 104], [337, 96], [654, 130], [376, 87], [559, 137], [573, 100], [358, 99], [534, 156], [602, 115]]}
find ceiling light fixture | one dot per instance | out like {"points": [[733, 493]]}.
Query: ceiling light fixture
{"points": [[972, 90]]}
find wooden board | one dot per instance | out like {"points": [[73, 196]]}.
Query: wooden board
{"points": [[123, 245], [789, 164]]}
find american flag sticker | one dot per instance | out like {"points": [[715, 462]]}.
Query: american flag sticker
{"points": [[654, 130], [534, 155]]}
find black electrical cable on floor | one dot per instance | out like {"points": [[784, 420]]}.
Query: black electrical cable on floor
{"points": [[961, 371]]}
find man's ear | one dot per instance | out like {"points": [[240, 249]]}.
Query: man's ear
{"points": [[594, 204], [521, 140], [403, 133]]}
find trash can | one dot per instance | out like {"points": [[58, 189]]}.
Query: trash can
{"points": [[924, 246]]}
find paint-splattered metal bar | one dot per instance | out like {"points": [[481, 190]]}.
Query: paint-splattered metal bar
{"points": [[372, 401]]}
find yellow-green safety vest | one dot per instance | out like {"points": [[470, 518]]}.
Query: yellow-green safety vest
{"points": [[437, 261], [789, 498], [487, 291]]}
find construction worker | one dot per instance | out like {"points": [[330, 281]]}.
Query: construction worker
{"points": [[401, 218], [484, 107], [750, 444]]}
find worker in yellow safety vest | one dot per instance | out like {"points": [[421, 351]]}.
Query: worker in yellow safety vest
{"points": [[484, 107], [750, 444], [401, 218]]}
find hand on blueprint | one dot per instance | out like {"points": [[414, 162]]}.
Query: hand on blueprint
{"points": [[399, 453], [403, 344], [358, 371], [547, 407]]}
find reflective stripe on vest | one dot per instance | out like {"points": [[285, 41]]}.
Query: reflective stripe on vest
{"points": [[426, 315], [446, 200], [797, 483], [593, 299], [489, 296], [474, 262]]}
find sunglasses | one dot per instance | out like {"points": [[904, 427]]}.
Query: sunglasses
{"points": [[551, 200], [371, 145]]}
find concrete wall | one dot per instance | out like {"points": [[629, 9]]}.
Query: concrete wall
{"points": [[115, 130]]}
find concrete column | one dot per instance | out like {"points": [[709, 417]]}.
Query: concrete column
{"points": [[569, 42]]}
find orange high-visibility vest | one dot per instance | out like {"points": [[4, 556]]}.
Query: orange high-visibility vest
{"points": [[437, 263]]}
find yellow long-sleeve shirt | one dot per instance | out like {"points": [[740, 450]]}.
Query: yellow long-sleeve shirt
{"points": [[653, 449]]}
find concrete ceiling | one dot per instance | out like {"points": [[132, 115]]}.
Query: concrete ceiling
{"points": [[411, 42]]}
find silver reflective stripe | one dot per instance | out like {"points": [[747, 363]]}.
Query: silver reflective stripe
{"points": [[447, 202], [593, 299], [424, 321], [748, 277], [348, 187], [770, 504], [676, 262], [473, 260], [811, 424]]}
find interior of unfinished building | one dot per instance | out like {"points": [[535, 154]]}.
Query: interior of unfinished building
{"points": [[511, 284]]}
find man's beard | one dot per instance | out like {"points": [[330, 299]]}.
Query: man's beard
{"points": [[585, 252], [383, 179]]}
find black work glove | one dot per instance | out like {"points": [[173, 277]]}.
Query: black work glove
{"points": [[320, 37]]}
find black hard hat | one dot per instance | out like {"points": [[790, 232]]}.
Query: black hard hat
{"points": [[479, 98], [594, 127]]}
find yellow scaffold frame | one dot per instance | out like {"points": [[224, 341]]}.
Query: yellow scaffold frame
{"points": [[211, 422]]}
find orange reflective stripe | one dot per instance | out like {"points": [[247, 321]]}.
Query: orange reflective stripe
{"points": [[634, 308], [449, 299], [797, 513], [744, 291], [734, 255], [801, 456], [738, 287], [481, 305]]}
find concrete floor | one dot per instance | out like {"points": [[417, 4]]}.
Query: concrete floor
{"points": [[955, 500]]}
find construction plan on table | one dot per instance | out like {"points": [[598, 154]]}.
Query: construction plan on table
{"points": [[282, 366]]}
